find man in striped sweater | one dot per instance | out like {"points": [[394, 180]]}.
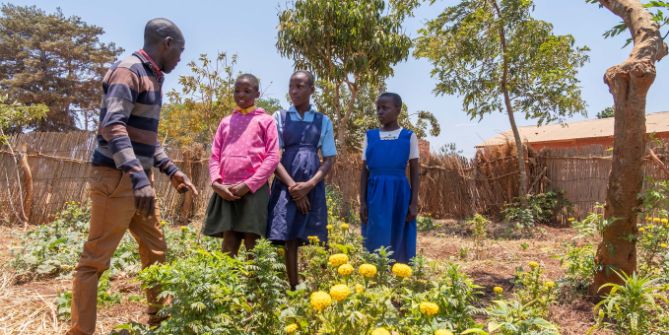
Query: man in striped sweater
{"points": [[121, 185]]}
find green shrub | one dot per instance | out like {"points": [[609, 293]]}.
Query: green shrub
{"points": [[105, 298], [207, 291], [478, 224], [534, 292], [521, 217], [425, 223], [592, 225], [538, 208], [53, 250], [635, 307], [580, 267], [526, 311], [513, 318]]}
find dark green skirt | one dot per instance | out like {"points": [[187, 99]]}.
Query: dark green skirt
{"points": [[246, 215]]}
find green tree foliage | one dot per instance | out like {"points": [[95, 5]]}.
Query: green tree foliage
{"points": [[206, 97], [270, 105], [499, 58], [606, 112], [54, 60], [351, 47], [14, 116]]}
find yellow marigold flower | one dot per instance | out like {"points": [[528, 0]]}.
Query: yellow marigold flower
{"points": [[657, 220], [329, 227], [345, 269], [313, 239], [648, 218], [401, 270], [663, 245], [344, 226], [664, 221], [291, 328], [380, 331], [340, 292], [442, 332], [498, 290], [549, 284], [571, 219], [533, 264], [320, 300], [642, 229], [367, 270], [338, 259], [359, 288], [428, 308]]}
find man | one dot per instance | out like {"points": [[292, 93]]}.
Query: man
{"points": [[122, 195]]}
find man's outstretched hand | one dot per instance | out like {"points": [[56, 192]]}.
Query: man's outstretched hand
{"points": [[182, 183]]}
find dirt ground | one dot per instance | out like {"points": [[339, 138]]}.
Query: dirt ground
{"points": [[30, 308]]}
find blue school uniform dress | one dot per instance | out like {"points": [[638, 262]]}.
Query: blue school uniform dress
{"points": [[300, 139], [389, 196]]}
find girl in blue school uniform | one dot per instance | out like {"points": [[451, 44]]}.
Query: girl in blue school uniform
{"points": [[388, 201], [297, 207]]}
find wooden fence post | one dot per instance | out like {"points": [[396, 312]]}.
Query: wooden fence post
{"points": [[26, 181]]}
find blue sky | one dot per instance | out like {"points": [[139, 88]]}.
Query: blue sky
{"points": [[248, 28]]}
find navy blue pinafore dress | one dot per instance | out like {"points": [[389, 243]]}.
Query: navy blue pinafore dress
{"points": [[301, 160]]}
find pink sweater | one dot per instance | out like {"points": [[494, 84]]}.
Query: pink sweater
{"points": [[245, 149]]}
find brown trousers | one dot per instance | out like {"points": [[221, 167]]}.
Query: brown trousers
{"points": [[112, 213]]}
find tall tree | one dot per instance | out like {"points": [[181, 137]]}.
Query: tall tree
{"points": [[628, 82], [499, 58], [351, 46], [205, 97], [53, 60]]}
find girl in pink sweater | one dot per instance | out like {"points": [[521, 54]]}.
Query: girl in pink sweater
{"points": [[244, 154]]}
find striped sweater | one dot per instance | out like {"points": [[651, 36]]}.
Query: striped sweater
{"points": [[128, 131]]}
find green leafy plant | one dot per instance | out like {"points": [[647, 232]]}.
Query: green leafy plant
{"points": [[53, 249], [425, 223], [580, 267], [522, 217], [635, 307], [514, 318], [207, 291], [535, 293], [535, 208], [478, 224], [105, 298], [592, 225]]}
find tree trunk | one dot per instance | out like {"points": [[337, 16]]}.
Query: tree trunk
{"points": [[520, 150], [341, 135], [628, 83]]}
